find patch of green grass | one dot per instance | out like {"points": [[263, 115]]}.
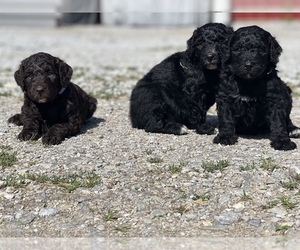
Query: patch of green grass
{"points": [[177, 168], [149, 151], [154, 160], [204, 197], [271, 204], [286, 202], [282, 228], [7, 158], [245, 196], [69, 182], [16, 181], [110, 215], [268, 164], [248, 167], [211, 166], [181, 209], [290, 185], [122, 229]]}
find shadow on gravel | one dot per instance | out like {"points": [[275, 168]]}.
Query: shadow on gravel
{"points": [[93, 122]]}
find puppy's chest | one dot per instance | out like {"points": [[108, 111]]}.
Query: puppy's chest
{"points": [[52, 115]]}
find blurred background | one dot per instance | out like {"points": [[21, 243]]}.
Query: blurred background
{"points": [[143, 12]]}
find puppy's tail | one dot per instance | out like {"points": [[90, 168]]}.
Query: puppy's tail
{"points": [[92, 106]]}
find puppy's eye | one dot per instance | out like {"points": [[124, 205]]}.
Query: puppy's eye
{"points": [[28, 75], [50, 73]]}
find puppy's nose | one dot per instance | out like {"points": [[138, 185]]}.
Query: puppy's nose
{"points": [[39, 89], [211, 56], [248, 65]]}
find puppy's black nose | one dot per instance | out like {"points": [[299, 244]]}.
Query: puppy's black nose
{"points": [[39, 89], [248, 65], [211, 56]]}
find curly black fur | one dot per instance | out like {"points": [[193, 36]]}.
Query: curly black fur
{"points": [[177, 92], [53, 108], [252, 99]]}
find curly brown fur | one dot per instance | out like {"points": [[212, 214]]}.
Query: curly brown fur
{"points": [[54, 108], [252, 99], [177, 92]]}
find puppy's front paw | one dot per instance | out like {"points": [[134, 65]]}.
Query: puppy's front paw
{"points": [[51, 139], [205, 129], [225, 139], [27, 135], [283, 144]]}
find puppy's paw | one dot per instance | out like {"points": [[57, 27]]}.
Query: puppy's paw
{"points": [[295, 133], [27, 135], [51, 139], [225, 139], [205, 129], [15, 119], [283, 144], [184, 130]]}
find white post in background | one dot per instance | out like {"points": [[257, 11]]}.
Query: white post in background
{"points": [[221, 11]]}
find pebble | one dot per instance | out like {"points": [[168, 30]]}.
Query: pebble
{"points": [[47, 212], [228, 218]]}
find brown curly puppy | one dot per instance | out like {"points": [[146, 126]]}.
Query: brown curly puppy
{"points": [[54, 108]]}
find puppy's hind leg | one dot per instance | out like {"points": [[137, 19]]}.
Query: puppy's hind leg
{"points": [[166, 127], [16, 119], [294, 131]]}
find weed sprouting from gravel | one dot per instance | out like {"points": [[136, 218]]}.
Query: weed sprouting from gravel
{"points": [[181, 209], [149, 151], [248, 167], [7, 158], [204, 197], [268, 164], [270, 204], [68, 182], [282, 228], [110, 215], [290, 185], [245, 196], [154, 160], [176, 168], [122, 229], [16, 181], [286, 202], [211, 166]]}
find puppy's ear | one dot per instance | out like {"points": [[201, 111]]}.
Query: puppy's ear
{"points": [[20, 76], [225, 50], [275, 50], [191, 43], [65, 72]]}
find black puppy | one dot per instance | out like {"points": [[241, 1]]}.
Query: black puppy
{"points": [[177, 92], [252, 98], [53, 108]]}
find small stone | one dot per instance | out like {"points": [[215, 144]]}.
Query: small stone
{"points": [[254, 222], [26, 219], [228, 218], [157, 213], [2, 184], [190, 217], [48, 212]]}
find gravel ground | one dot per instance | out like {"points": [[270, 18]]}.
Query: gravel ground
{"points": [[115, 181]]}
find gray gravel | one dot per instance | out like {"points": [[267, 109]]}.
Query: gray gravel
{"points": [[151, 185]]}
